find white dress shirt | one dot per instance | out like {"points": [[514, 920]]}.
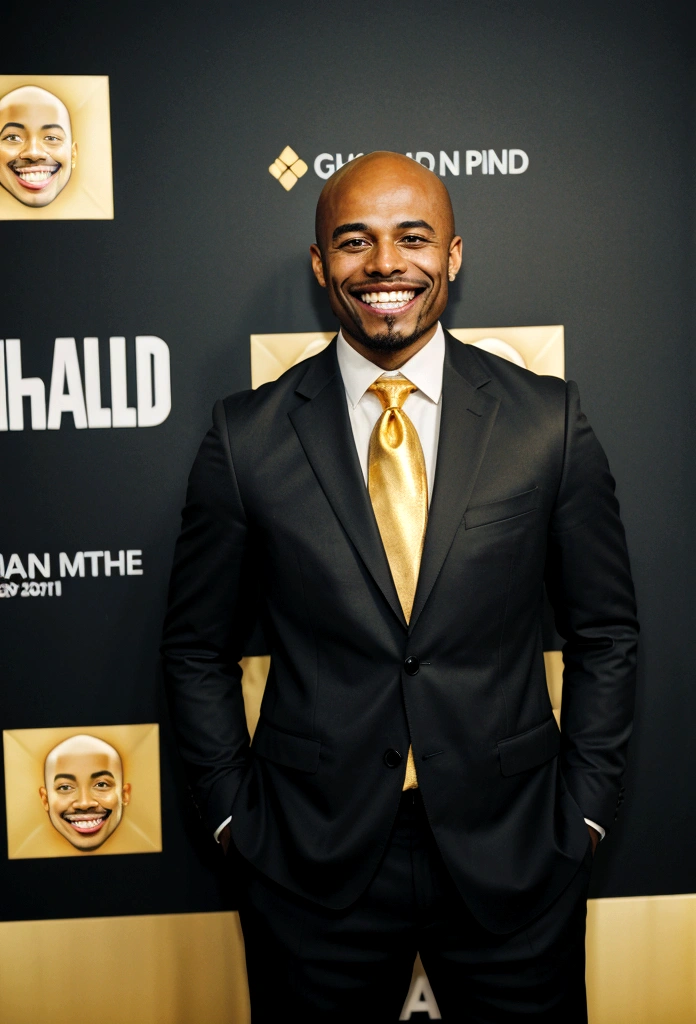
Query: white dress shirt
{"points": [[423, 407]]}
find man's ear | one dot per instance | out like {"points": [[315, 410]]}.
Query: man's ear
{"points": [[74, 155], [43, 793], [317, 264], [126, 793], [455, 257]]}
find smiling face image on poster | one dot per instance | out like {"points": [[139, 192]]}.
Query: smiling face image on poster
{"points": [[82, 792], [55, 148], [37, 150]]}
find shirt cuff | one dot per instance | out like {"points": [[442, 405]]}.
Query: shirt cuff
{"points": [[592, 824], [219, 829]]}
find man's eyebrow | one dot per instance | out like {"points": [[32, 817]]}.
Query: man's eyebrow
{"points": [[64, 775], [415, 224], [96, 775], [45, 126], [343, 228], [12, 124]]}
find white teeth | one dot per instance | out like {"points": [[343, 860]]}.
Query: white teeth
{"points": [[387, 300], [34, 176]]}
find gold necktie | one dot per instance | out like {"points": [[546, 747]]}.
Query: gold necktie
{"points": [[398, 488]]}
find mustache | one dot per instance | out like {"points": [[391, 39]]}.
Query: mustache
{"points": [[46, 162], [103, 812]]}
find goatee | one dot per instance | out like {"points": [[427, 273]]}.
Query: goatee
{"points": [[389, 340]]}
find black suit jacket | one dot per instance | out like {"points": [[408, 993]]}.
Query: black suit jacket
{"points": [[278, 522]]}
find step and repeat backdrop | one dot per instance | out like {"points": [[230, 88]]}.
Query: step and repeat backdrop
{"points": [[159, 169]]}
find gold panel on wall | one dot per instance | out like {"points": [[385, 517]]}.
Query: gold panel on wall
{"points": [[540, 349], [190, 969], [154, 969], [273, 354], [254, 676], [641, 962], [553, 663]]}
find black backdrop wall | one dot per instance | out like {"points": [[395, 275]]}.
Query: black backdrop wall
{"points": [[206, 248]]}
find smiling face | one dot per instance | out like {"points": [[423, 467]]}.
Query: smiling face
{"points": [[84, 793], [385, 252], [37, 152]]}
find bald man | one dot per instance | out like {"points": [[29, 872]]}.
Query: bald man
{"points": [[84, 793], [37, 151], [391, 509]]}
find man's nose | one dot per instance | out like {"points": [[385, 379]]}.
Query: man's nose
{"points": [[84, 800], [32, 149], [384, 260]]}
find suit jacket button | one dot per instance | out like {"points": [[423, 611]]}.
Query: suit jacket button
{"points": [[392, 758], [411, 666]]}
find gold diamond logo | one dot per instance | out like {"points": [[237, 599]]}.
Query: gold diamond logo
{"points": [[288, 168]]}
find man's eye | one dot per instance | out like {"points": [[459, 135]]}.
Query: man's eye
{"points": [[354, 243], [11, 138], [64, 788], [412, 238], [52, 138], [101, 785]]}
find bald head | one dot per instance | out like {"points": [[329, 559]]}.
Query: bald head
{"points": [[84, 793], [385, 250], [34, 96], [381, 171], [84, 747], [37, 150]]}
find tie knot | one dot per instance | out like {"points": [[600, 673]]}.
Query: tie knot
{"points": [[392, 391]]}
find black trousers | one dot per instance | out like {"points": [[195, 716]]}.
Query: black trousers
{"points": [[355, 964]]}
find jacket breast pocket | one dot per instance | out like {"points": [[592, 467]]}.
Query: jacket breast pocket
{"points": [[529, 749], [498, 511], [286, 749]]}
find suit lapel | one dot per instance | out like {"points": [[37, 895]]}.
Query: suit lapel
{"points": [[323, 428], [467, 419]]}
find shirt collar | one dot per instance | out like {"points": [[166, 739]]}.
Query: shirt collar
{"points": [[424, 369]]}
